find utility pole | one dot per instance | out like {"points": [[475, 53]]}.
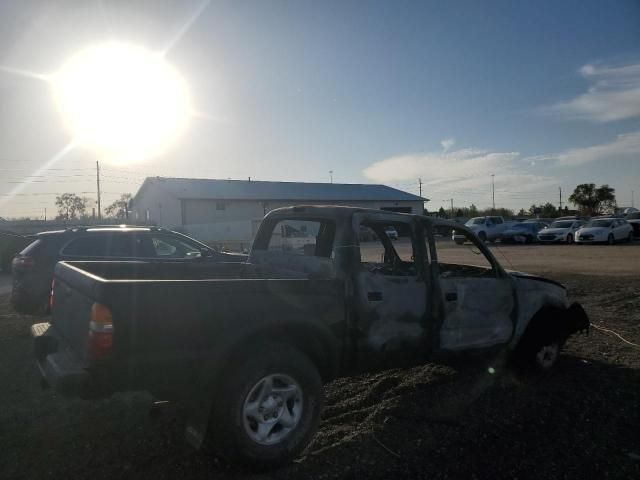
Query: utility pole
{"points": [[452, 212], [331, 175], [560, 189], [420, 184], [98, 183], [493, 191], [45, 214], [632, 192]]}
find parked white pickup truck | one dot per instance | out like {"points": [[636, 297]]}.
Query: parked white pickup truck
{"points": [[487, 228]]}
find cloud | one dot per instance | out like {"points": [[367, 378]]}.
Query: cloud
{"points": [[614, 94], [624, 145], [447, 143], [466, 171]]}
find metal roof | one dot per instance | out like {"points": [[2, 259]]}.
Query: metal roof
{"points": [[210, 189]]}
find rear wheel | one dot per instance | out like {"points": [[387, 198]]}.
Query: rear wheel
{"points": [[268, 408], [611, 240], [569, 238], [630, 237], [482, 236]]}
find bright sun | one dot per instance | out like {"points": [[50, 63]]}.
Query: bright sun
{"points": [[123, 100]]}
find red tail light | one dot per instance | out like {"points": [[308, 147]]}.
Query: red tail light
{"points": [[100, 340]]}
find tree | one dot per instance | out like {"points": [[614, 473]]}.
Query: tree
{"points": [[118, 209], [522, 213], [70, 206], [593, 200], [546, 210], [473, 210], [442, 213]]}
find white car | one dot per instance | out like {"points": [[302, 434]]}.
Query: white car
{"points": [[634, 220], [609, 230], [563, 231], [391, 232], [487, 228]]}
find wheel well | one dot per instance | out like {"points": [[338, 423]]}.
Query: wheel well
{"points": [[546, 323], [311, 342]]}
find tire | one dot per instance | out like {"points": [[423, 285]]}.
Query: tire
{"points": [[539, 354], [630, 237], [482, 236], [528, 239], [268, 408], [611, 240], [569, 239]]}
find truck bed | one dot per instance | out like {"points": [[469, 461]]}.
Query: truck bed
{"points": [[168, 318]]}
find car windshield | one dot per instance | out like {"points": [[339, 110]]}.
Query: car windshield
{"points": [[475, 221], [522, 226], [600, 223], [561, 224]]}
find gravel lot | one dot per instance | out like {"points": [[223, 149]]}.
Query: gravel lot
{"points": [[432, 421]]}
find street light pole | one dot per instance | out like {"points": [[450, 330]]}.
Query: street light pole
{"points": [[98, 185], [493, 190]]}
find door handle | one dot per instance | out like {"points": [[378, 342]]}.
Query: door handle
{"points": [[451, 296], [374, 296]]}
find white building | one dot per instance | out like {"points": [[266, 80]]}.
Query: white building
{"points": [[231, 210]]}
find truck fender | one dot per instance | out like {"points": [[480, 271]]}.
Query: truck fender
{"points": [[556, 322], [317, 343]]}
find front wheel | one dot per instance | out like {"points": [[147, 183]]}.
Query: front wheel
{"points": [[569, 239], [611, 240], [269, 407], [539, 350], [547, 355], [482, 236]]}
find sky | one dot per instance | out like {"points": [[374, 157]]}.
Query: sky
{"points": [[543, 95]]}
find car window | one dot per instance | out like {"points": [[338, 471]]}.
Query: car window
{"points": [[303, 237], [381, 253], [112, 245], [459, 253], [167, 246]]}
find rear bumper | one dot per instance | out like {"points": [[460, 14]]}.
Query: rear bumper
{"points": [[60, 367], [24, 301]]}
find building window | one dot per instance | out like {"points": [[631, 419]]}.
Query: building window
{"points": [[221, 206]]}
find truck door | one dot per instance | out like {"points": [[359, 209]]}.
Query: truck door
{"points": [[477, 298], [390, 289]]}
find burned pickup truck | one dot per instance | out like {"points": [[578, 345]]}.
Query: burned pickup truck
{"points": [[247, 346]]}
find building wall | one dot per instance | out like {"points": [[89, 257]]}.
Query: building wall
{"points": [[155, 206], [232, 221]]}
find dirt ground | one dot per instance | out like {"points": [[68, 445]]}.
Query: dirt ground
{"points": [[432, 421]]}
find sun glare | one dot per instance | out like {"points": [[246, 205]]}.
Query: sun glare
{"points": [[125, 101]]}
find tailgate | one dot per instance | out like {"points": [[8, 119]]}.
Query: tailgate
{"points": [[73, 298]]}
